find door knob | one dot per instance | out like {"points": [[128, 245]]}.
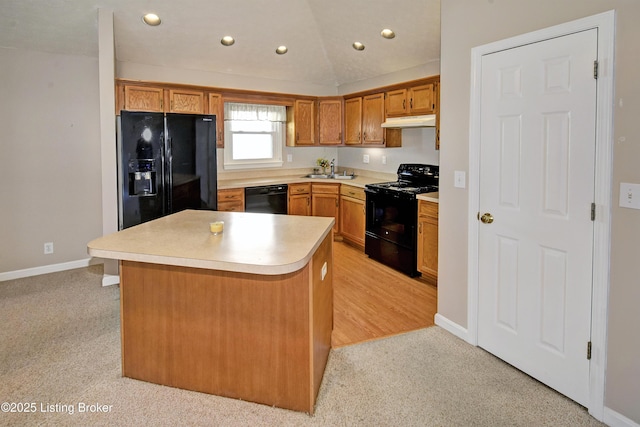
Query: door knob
{"points": [[486, 218]]}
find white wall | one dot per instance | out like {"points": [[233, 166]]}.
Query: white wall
{"points": [[49, 158], [418, 146], [133, 71], [431, 68]]}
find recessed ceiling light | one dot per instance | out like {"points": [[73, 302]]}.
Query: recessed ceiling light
{"points": [[387, 33], [281, 50], [151, 19], [227, 40], [358, 46]]}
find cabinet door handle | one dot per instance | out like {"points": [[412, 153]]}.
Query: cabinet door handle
{"points": [[404, 104], [411, 103]]}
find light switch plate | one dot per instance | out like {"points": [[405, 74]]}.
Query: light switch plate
{"points": [[459, 179], [365, 158], [289, 158], [629, 195]]}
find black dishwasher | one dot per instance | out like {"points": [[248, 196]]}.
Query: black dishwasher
{"points": [[266, 199]]}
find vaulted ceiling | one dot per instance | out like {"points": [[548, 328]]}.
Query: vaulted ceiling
{"points": [[318, 34]]}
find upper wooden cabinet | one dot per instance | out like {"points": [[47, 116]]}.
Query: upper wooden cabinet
{"points": [[422, 99], [216, 107], [330, 121], [132, 97], [372, 119], [353, 121], [186, 101], [411, 101], [301, 123], [363, 122], [143, 98]]}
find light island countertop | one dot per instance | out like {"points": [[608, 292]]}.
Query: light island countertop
{"points": [[250, 243]]}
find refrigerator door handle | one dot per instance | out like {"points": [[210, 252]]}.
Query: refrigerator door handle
{"points": [[169, 176]]}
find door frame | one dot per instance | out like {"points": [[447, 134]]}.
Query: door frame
{"points": [[605, 25]]}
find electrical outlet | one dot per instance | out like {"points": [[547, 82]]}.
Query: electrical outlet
{"points": [[384, 160], [629, 195], [365, 158], [289, 158], [48, 248]]}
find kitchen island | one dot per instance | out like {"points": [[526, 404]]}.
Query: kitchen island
{"points": [[246, 314]]}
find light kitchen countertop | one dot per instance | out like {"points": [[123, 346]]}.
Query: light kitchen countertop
{"points": [[250, 243], [429, 197], [358, 181]]}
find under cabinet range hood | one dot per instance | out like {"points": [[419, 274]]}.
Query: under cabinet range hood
{"points": [[410, 122]]}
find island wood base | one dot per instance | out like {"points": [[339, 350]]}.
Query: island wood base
{"points": [[261, 338]]}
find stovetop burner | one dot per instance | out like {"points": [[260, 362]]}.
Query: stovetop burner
{"points": [[404, 187], [413, 179]]}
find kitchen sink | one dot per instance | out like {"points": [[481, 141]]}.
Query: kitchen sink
{"points": [[325, 176]]}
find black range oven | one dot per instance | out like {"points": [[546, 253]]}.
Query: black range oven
{"points": [[392, 216]]}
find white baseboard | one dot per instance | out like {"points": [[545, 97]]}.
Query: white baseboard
{"points": [[110, 279], [614, 419], [52, 268], [452, 327]]}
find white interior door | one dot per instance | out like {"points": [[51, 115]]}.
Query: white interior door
{"points": [[537, 155]]}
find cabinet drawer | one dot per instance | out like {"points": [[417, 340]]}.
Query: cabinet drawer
{"points": [[231, 195], [351, 191], [300, 188], [236, 206], [428, 209], [325, 188]]}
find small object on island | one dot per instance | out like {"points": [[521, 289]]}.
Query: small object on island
{"points": [[216, 227]]}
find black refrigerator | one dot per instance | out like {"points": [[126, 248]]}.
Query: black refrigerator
{"points": [[166, 163]]}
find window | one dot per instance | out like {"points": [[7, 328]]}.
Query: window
{"points": [[254, 135]]}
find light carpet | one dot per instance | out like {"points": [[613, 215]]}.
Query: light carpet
{"points": [[60, 359]]}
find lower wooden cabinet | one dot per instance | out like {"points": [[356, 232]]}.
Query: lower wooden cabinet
{"points": [[428, 239], [231, 200], [352, 214], [325, 201], [299, 202]]}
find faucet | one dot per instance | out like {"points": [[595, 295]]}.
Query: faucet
{"points": [[333, 167]]}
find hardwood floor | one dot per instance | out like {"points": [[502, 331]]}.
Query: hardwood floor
{"points": [[371, 300]]}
